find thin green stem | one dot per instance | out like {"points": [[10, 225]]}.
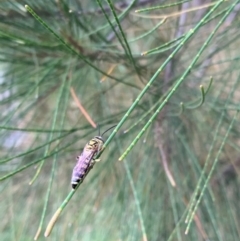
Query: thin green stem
{"points": [[160, 7], [145, 115], [202, 99], [148, 32], [174, 209], [195, 160], [133, 187], [28, 94], [61, 208], [112, 26], [209, 86], [37, 173], [182, 108], [40, 130], [129, 52], [210, 173], [132, 107], [164, 47], [55, 157], [35, 162], [192, 203], [51, 133], [177, 226], [82, 57], [120, 17], [136, 199], [171, 92], [34, 149]]}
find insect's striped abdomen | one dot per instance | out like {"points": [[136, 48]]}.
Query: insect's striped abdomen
{"points": [[84, 160], [81, 167]]}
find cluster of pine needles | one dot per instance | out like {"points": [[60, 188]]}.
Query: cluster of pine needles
{"points": [[166, 73]]}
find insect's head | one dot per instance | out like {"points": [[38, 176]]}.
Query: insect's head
{"points": [[99, 138]]}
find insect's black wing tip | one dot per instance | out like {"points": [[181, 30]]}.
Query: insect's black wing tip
{"points": [[74, 186]]}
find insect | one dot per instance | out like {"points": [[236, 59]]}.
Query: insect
{"points": [[87, 158]]}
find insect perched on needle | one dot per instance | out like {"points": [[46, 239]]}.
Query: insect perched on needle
{"points": [[87, 158]]}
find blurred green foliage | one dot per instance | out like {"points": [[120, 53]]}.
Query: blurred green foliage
{"points": [[185, 164]]}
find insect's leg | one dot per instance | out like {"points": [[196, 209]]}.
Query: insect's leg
{"points": [[91, 164], [99, 149]]}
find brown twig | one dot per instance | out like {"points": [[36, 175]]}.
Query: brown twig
{"points": [[174, 14], [165, 165], [82, 109], [109, 72]]}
